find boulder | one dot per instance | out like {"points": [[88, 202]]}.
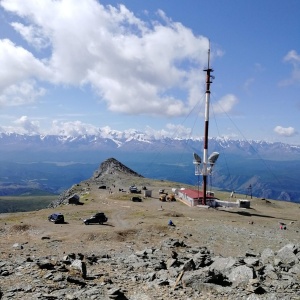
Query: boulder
{"points": [[267, 256], [286, 256], [189, 265], [223, 263], [79, 265], [241, 274], [199, 278], [45, 264]]}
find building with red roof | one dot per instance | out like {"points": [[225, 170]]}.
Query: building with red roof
{"points": [[194, 197]]}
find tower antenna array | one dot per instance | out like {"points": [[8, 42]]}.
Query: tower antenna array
{"points": [[208, 71]]}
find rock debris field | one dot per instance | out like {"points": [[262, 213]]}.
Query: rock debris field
{"points": [[224, 253]]}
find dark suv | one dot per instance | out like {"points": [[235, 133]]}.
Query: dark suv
{"points": [[98, 218], [57, 218]]}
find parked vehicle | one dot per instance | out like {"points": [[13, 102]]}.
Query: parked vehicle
{"points": [[136, 199], [57, 218], [98, 218], [163, 197], [171, 198], [134, 190]]}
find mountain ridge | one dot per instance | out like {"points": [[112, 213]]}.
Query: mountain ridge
{"points": [[241, 162], [141, 141]]}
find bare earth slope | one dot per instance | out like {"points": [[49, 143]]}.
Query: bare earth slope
{"points": [[133, 227]]}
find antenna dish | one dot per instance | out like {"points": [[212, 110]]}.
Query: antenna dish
{"points": [[197, 159], [213, 158]]}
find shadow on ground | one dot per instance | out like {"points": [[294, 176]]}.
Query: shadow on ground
{"points": [[250, 214]]}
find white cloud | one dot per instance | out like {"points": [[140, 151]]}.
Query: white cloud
{"points": [[134, 66], [229, 136], [171, 131], [248, 83], [32, 34], [18, 65], [180, 131], [285, 131], [225, 104], [294, 58], [27, 126], [19, 94], [74, 129]]}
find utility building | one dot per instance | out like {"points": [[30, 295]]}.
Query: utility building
{"points": [[194, 197]]}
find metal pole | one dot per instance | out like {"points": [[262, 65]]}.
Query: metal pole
{"points": [[198, 189], [206, 123]]}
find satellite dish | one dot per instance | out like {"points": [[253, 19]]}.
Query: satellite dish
{"points": [[213, 158], [197, 159]]}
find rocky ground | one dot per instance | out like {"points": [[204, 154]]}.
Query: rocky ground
{"points": [[210, 253]]}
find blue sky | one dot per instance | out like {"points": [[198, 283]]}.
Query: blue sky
{"points": [[74, 67]]}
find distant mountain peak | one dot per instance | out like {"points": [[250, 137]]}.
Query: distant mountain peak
{"points": [[113, 166], [110, 141]]}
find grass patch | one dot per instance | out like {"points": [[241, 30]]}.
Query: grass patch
{"points": [[123, 196], [11, 204], [14, 218]]}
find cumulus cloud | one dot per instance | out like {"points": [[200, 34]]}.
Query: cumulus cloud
{"points": [[74, 129], [285, 131], [78, 128], [32, 34], [23, 93], [18, 65], [294, 59], [25, 125], [171, 131], [229, 136], [225, 104], [136, 67]]}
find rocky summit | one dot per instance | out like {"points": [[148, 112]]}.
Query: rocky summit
{"points": [[222, 253], [112, 166]]}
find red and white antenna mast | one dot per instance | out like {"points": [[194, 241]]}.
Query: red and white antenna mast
{"points": [[206, 123]]}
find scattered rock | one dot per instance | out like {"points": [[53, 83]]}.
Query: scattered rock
{"points": [[187, 273]]}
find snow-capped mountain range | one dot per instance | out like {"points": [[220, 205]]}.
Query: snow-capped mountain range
{"points": [[137, 141], [271, 169]]}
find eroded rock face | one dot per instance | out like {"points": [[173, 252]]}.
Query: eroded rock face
{"points": [[111, 166], [172, 270]]}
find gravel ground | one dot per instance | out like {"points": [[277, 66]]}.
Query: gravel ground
{"points": [[133, 226]]}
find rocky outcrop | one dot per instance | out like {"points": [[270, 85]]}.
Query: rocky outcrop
{"points": [[111, 166], [172, 270]]}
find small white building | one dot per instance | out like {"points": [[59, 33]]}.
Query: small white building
{"points": [[194, 197]]}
